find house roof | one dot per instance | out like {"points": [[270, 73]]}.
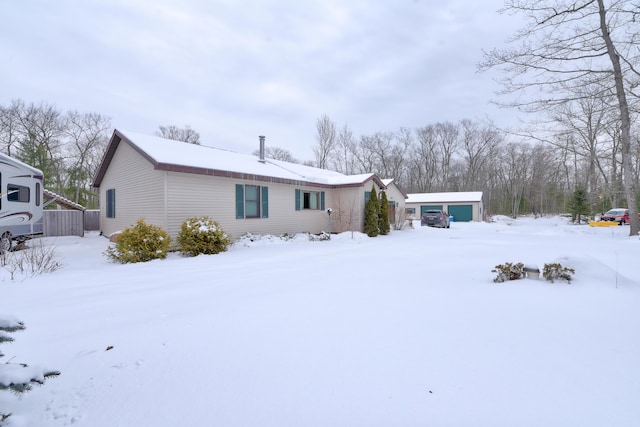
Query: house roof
{"points": [[453, 197], [178, 156]]}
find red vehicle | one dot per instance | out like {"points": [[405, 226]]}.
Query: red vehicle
{"points": [[620, 215]]}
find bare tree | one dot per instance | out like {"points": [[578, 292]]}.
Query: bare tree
{"points": [[342, 159], [277, 153], [40, 141], [425, 160], [476, 146], [10, 126], [185, 134], [567, 45], [398, 164], [514, 173], [326, 139], [447, 135], [381, 145], [87, 137], [364, 154]]}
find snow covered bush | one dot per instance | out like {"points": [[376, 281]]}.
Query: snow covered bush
{"points": [[320, 237], [140, 243], [17, 377], [508, 271], [555, 271], [202, 236]]}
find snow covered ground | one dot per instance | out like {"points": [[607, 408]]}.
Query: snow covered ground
{"points": [[401, 330]]}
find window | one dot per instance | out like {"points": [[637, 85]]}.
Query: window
{"points": [[17, 193], [410, 211], [38, 194], [111, 203], [313, 200], [252, 201]]}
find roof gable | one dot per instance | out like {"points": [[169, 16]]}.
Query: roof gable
{"points": [[391, 182]]}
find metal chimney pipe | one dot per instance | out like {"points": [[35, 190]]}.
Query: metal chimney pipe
{"points": [[261, 148]]}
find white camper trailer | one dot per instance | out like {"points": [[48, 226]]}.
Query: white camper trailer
{"points": [[21, 201]]}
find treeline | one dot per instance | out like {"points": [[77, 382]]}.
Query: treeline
{"points": [[525, 173], [66, 146], [533, 172]]}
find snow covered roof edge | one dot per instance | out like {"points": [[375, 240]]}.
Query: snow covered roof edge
{"points": [[461, 196]]}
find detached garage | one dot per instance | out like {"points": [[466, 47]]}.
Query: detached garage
{"points": [[462, 206]]}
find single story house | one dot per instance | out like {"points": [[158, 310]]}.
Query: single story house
{"points": [[165, 182], [462, 206]]}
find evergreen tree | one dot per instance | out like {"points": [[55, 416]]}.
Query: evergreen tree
{"points": [[35, 153], [383, 223], [579, 204], [371, 214], [12, 376]]}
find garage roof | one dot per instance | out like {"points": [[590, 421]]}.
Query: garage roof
{"points": [[452, 197]]}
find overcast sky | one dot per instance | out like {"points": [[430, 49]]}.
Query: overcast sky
{"points": [[233, 70]]}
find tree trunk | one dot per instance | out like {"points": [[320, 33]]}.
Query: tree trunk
{"points": [[625, 123]]}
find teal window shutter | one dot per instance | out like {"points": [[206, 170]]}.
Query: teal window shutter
{"points": [[367, 196], [322, 200], [297, 199], [265, 202], [239, 201], [111, 203]]}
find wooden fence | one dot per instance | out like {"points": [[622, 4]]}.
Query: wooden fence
{"points": [[92, 220], [70, 222]]}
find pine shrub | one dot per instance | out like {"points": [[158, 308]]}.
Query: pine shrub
{"points": [[383, 223], [202, 236], [13, 376], [555, 271], [579, 205], [508, 271], [140, 243], [371, 214]]}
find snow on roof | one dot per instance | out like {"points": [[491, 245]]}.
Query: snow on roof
{"points": [[51, 197], [167, 151], [452, 197], [167, 154]]}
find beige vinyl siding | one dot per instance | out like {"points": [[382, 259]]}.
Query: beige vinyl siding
{"points": [[395, 195], [348, 209], [348, 205], [139, 191], [192, 195], [307, 220]]}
